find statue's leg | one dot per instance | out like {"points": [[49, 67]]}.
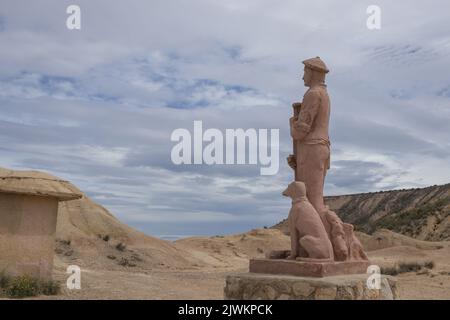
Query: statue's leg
{"points": [[300, 169], [313, 170], [317, 248], [295, 244]]}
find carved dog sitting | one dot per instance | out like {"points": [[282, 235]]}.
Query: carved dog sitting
{"points": [[309, 238]]}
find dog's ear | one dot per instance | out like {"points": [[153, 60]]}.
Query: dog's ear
{"points": [[300, 188], [292, 188]]}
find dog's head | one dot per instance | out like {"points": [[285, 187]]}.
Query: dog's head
{"points": [[295, 189]]}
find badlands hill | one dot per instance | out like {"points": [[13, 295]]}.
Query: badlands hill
{"points": [[87, 233], [422, 213]]}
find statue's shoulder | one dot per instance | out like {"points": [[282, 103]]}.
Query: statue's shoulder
{"points": [[320, 88], [316, 91]]}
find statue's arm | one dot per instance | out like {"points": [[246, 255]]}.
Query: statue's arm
{"points": [[295, 133], [310, 107]]}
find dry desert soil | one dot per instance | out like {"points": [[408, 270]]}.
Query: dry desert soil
{"points": [[212, 259]]}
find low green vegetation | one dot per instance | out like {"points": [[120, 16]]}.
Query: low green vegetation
{"points": [[410, 220], [25, 286]]}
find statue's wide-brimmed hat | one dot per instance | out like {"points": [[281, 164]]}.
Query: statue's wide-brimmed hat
{"points": [[316, 64]]}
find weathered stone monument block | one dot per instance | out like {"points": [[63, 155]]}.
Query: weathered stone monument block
{"points": [[28, 212]]}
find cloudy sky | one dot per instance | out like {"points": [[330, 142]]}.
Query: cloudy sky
{"points": [[97, 106]]}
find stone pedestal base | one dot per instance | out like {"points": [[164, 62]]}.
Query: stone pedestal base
{"points": [[251, 286], [307, 269]]}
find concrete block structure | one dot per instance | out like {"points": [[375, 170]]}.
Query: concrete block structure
{"points": [[28, 212]]}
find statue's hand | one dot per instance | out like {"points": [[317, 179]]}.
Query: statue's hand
{"points": [[292, 162], [293, 120]]}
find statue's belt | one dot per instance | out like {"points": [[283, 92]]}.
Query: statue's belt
{"points": [[324, 142], [317, 141]]}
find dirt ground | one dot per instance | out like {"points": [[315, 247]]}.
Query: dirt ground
{"points": [[217, 257], [98, 284]]}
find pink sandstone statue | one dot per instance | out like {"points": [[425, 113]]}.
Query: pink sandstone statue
{"points": [[309, 131], [309, 239], [321, 244], [311, 160]]}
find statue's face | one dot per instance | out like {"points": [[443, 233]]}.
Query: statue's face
{"points": [[307, 76]]}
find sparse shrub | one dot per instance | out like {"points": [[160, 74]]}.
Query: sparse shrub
{"points": [[25, 286], [22, 287], [4, 280], [106, 238], [390, 271], [429, 264], [49, 288], [136, 257], [404, 267], [121, 246], [126, 263], [63, 242], [112, 257]]}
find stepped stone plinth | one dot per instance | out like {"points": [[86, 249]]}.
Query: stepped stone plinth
{"points": [[255, 286], [308, 269]]}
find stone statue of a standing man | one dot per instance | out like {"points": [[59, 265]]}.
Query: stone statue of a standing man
{"points": [[310, 133]]}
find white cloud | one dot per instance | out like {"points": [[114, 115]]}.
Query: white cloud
{"points": [[96, 106]]}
